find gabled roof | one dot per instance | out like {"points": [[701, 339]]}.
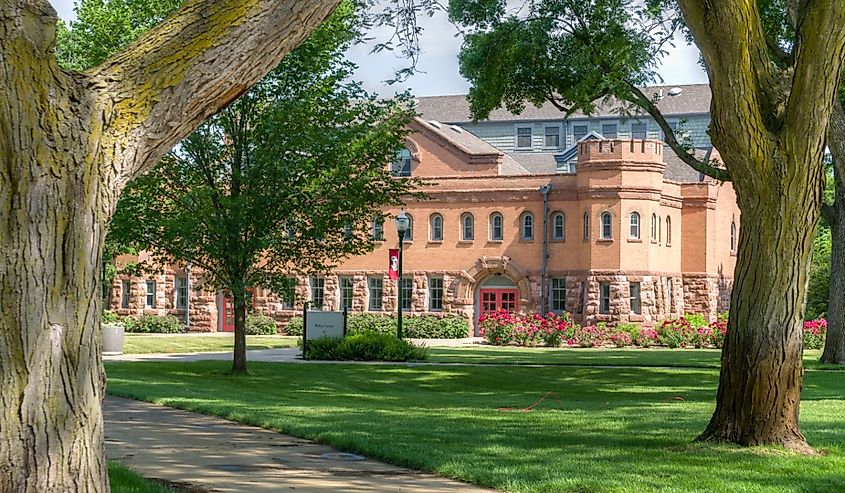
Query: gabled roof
{"points": [[693, 99], [473, 148]]}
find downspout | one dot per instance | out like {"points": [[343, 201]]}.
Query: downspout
{"points": [[188, 297], [543, 272]]}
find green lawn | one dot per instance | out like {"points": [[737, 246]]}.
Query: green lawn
{"points": [[601, 429], [190, 343], [124, 480], [510, 355]]}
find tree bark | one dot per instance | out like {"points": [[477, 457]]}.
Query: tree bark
{"points": [[68, 144], [769, 127], [834, 344], [239, 354]]}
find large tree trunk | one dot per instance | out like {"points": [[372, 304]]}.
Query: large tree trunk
{"points": [[68, 144], [834, 344], [762, 370]]}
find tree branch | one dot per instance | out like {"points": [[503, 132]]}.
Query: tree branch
{"points": [[190, 67], [644, 102]]}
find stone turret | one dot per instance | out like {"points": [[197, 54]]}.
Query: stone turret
{"points": [[634, 153]]}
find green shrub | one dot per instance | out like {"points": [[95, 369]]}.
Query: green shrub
{"points": [[258, 324], [370, 322], [111, 318], [366, 346], [632, 330], [154, 324], [675, 332], [696, 320], [293, 327]]}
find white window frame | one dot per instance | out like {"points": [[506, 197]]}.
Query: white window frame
{"points": [[557, 294], [344, 289], [409, 233], [407, 292], [516, 136], [526, 226], [401, 167], [501, 227], [604, 298], [435, 294], [653, 227], [375, 303], [436, 232], [317, 284], [634, 230], [378, 228], [150, 297], [635, 301], [181, 292], [289, 288], [562, 217], [606, 226]]}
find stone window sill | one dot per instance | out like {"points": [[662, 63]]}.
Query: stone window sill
{"points": [[605, 240], [636, 318], [634, 240], [499, 242], [465, 242], [435, 242]]}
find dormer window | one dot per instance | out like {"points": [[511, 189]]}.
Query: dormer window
{"points": [[609, 130], [402, 165], [552, 137], [579, 132], [639, 130], [523, 137]]}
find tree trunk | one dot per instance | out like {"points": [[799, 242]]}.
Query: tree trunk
{"points": [[834, 344], [239, 355], [762, 369]]}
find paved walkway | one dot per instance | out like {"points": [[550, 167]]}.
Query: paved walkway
{"points": [[214, 455], [280, 355]]}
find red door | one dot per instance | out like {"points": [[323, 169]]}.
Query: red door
{"points": [[228, 312], [499, 299]]}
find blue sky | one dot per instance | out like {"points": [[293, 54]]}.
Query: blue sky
{"points": [[439, 63]]}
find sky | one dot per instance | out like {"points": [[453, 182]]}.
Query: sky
{"points": [[438, 63]]}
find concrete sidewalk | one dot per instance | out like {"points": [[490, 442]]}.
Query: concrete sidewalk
{"points": [[214, 455]]}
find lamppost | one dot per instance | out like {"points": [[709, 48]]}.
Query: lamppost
{"points": [[401, 227]]}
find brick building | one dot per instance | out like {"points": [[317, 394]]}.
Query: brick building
{"points": [[631, 234]]}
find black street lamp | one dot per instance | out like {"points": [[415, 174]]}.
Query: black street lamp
{"points": [[402, 224]]}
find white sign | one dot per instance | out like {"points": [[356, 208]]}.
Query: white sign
{"points": [[323, 324]]}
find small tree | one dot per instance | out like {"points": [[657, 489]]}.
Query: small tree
{"points": [[287, 179]]}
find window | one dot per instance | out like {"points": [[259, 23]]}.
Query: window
{"points": [[318, 285], [527, 226], [436, 231], [669, 298], [635, 225], [586, 225], [374, 286], [558, 226], [347, 289], [659, 230], [124, 293], [606, 226], [635, 298], [609, 131], [604, 298], [150, 301], [290, 232], [378, 228], [288, 293], [639, 130], [409, 233], [467, 229], [347, 231], [496, 227], [668, 231], [733, 236], [654, 227], [558, 294], [407, 287], [435, 293], [552, 137], [523, 137], [579, 132], [181, 293], [402, 165]]}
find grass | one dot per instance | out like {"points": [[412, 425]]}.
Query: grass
{"points": [[190, 343], [600, 430], [124, 480], [654, 357]]}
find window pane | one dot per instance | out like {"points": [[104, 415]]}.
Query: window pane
{"points": [[151, 294], [604, 302], [124, 294], [317, 292], [639, 130], [468, 233], [346, 292], [609, 131], [579, 132], [528, 227], [558, 294], [378, 229], [375, 291], [407, 293], [586, 226], [181, 292], [552, 137], [402, 165], [409, 233], [606, 228], [635, 298], [635, 225], [523, 137], [436, 228], [288, 293], [558, 226], [435, 293], [498, 233]]}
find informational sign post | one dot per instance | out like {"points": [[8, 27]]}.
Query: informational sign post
{"points": [[317, 324]]}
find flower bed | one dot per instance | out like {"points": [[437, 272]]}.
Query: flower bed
{"points": [[692, 331]]}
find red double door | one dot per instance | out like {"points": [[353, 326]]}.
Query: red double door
{"points": [[499, 299], [228, 311]]}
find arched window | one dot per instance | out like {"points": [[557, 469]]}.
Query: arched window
{"points": [[402, 165], [527, 226], [558, 226], [733, 236], [436, 231], [586, 225], [467, 227], [653, 227], [496, 227], [409, 233], [378, 228], [635, 225], [606, 226], [668, 231]]}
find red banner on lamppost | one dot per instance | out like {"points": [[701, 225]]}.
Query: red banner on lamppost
{"points": [[393, 263]]}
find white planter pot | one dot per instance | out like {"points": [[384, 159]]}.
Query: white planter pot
{"points": [[112, 339]]}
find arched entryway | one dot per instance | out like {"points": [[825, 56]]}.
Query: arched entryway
{"points": [[495, 283], [497, 292]]}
